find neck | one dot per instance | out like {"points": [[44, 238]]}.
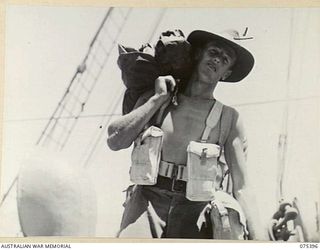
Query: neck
{"points": [[200, 89]]}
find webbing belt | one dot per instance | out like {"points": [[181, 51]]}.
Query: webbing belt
{"points": [[171, 170], [179, 172]]}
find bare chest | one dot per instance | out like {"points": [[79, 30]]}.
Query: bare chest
{"points": [[183, 124]]}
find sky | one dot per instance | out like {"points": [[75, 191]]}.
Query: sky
{"points": [[44, 45]]}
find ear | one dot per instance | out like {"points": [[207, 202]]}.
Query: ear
{"points": [[197, 54], [226, 75]]}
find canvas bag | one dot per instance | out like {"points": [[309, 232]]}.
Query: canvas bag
{"points": [[223, 214], [140, 68], [146, 154], [224, 218], [202, 161], [145, 157]]}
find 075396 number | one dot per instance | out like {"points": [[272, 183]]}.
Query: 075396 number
{"points": [[309, 245]]}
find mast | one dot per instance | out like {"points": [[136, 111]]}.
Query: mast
{"points": [[63, 120], [283, 136], [106, 120]]}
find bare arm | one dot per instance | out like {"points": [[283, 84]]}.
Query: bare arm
{"points": [[235, 158], [123, 131]]}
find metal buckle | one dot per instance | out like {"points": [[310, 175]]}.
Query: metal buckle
{"points": [[175, 172], [174, 178]]}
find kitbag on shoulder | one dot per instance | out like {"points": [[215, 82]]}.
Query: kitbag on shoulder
{"points": [[140, 68]]}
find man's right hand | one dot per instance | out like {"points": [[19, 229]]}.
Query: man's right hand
{"points": [[165, 86]]}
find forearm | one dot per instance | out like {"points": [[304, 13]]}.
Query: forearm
{"points": [[243, 189], [248, 204], [123, 131]]}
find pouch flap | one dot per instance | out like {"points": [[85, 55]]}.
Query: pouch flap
{"points": [[151, 131], [229, 202], [211, 150]]}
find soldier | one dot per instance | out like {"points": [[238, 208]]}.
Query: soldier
{"points": [[166, 209]]}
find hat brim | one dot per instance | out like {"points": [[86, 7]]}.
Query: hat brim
{"points": [[245, 59]]}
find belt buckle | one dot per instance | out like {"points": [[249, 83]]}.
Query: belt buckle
{"points": [[174, 179]]}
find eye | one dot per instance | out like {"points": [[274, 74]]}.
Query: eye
{"points": [[225, 60], [213, 52]]}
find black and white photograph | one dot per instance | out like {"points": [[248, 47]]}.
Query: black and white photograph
{"points": [[171, 123]]}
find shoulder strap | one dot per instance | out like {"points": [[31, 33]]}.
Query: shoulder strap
{"points": [[225, 126], [212, 120], [161, 113]]}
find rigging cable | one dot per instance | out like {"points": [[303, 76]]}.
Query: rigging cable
{"points": [[82, 69], [84, 81], [282, 143], [103, 130]]}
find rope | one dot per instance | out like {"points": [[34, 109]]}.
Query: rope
{"points": [[157, 24], [83, 82], [102, 132], [293, 114], [54, 125], [119, 114], [8, 191], [283, 135]]}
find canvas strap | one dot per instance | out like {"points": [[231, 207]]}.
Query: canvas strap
{"points": [[212, 120]]}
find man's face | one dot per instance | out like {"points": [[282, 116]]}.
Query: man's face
{"points": [[215, 62]]}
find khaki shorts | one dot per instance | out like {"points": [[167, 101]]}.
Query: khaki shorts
{"points": [[151, 212]]}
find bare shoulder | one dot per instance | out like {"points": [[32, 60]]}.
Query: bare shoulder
{"points": [[236, 124], [231, 111], [231, 116]]}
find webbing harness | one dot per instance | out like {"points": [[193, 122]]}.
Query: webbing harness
{"points": [[212, 120]]}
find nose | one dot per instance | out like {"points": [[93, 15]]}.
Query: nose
{"points": [[216, 59]]}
